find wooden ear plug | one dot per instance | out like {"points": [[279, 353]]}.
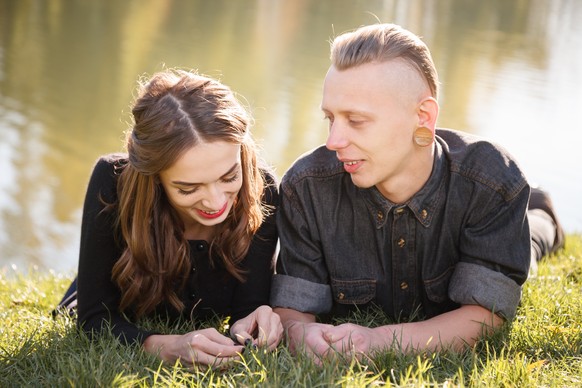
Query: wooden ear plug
{"points": [[423, 136]]}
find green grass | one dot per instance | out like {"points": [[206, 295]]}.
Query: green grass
{"points": [[542, 347]]}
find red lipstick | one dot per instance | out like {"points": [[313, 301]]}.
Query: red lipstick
{"points": [[213, 215]]}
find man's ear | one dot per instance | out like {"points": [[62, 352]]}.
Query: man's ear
{"points": [[428, 112]]}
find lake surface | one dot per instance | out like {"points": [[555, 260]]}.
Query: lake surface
{"points": [[510, 71]]}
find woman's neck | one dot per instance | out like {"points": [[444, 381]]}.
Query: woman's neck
{"points": [[199, 232]]}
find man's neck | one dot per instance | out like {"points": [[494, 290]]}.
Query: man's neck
{"points": [[400, 188]]}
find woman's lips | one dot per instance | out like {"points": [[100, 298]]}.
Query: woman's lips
{"points": [[213, 214]]}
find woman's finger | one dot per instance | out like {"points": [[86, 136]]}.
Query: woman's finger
{"points": [[213, 345]]}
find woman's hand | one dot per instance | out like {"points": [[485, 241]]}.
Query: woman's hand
{"points": [[205, 347], [262, 327]]}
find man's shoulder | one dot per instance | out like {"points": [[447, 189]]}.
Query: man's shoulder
{"points": [[316, 163], [472, 149], [481, 160], [465, 144]]}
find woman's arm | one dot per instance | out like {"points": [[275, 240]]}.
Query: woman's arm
{"points": [[259, 263], [98, 297], [261, 326]]}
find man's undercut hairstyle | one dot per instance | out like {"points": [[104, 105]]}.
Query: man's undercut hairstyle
{"points": [[381, 43]]}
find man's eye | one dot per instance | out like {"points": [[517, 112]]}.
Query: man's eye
{"points": [[356, 121]]}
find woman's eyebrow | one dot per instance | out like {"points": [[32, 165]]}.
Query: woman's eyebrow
{"points": [[230, 171]]}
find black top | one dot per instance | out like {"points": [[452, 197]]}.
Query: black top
{"points": [[210, 289]]}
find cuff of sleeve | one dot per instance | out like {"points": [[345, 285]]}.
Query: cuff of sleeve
{"points": [[474, 284], [141, 339], [300, 294]]}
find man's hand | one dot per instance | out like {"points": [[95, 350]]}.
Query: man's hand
{"points": [[354, 340], [454, 330], [304, 334], [310, 339], [319, 341]]}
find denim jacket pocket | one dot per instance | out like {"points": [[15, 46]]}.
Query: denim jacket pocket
{"points": [[437, 288], [359, 291]]}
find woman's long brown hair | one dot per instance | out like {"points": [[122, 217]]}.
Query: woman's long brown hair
{"points": [[174, 111]]}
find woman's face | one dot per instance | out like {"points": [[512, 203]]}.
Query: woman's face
{"points": [[203, 183]]}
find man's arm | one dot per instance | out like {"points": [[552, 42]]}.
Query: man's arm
{"points": [[290, 317], [454, 330]]}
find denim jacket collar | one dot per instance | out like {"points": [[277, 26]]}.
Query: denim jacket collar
{"points": [[423, 204]]}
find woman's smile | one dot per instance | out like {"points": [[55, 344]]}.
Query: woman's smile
{"points": [[212, 214]]}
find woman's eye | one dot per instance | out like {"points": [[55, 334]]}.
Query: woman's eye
{"points": [[187, 192], [231, 178]]}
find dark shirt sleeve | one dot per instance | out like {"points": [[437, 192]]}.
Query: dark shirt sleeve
{"points": [[259, 261], [98, 296], [301, 282], [495, 252]]}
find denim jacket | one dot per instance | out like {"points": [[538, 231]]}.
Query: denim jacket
{"points": [[463, 239]]}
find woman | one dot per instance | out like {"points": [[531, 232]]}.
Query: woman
{"points": [[182, 226]]}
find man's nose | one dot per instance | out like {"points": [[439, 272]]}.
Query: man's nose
{"points": [[336, 139]]}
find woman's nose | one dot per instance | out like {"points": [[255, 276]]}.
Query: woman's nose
{"points": [[214, 198]]}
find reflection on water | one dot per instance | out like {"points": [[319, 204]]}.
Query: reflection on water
{"points": [[509, 71]]}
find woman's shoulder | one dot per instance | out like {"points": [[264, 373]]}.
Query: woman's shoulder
{"points": [[109, 165], [269, 175], [114, 161], [106, 170], [271, 186]]}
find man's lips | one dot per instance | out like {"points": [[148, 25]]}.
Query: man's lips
{"points": [[210, 215], [351, 166]]}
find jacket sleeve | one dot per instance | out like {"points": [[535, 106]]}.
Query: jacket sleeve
{"points": [[301, 279]]}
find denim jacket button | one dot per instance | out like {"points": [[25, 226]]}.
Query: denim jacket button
{"points": [[401, 242], [341, 296], [424, 214], [380, 215], [403, 286]]}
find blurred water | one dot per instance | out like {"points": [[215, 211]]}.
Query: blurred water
{"points": [[510, 71]]}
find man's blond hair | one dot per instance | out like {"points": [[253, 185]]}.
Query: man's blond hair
{"points": [[382, 43]]}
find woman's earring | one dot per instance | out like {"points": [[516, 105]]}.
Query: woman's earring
{"points": [[423, 136]]}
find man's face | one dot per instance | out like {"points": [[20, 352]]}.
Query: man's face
{"points": [[372, 111]]}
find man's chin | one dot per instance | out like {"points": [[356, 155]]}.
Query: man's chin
{"points": [[360, 183]]}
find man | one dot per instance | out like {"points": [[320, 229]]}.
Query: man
{"points": [[429, 224]]}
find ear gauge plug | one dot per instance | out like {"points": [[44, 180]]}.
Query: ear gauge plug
{"points": [[422, 136]]}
